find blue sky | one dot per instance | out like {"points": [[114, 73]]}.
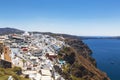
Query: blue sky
{"points": [[77, 17]]}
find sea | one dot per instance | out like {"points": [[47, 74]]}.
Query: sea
{"points": [[107, 55]]}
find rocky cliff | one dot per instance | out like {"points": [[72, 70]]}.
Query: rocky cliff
{"points": [[80, 65]]}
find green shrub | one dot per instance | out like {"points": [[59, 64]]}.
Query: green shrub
{"points": [[9, 72], [2, 73], [16, 77], [17, 70], [5, 73], [5, 77], [66, 68], [2, 70], [75, 78]]}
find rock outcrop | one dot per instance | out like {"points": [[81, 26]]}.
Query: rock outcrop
{"points": [[80, 65]]}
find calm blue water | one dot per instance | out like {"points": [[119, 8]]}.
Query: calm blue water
{"points": [[107, 54]]}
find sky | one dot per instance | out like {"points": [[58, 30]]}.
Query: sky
{"points": [[76, 17]]}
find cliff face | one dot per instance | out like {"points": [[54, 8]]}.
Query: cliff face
{"points": [[80, 65], [81, 48]]}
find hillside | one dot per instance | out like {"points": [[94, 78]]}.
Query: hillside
{"points": [[9, 31], [80, 65], [14, 72]]}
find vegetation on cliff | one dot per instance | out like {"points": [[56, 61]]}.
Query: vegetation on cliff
{"points": [[79, 64], [15, 72]]}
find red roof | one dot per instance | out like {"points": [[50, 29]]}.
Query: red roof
{"points": [[25, 49]]}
